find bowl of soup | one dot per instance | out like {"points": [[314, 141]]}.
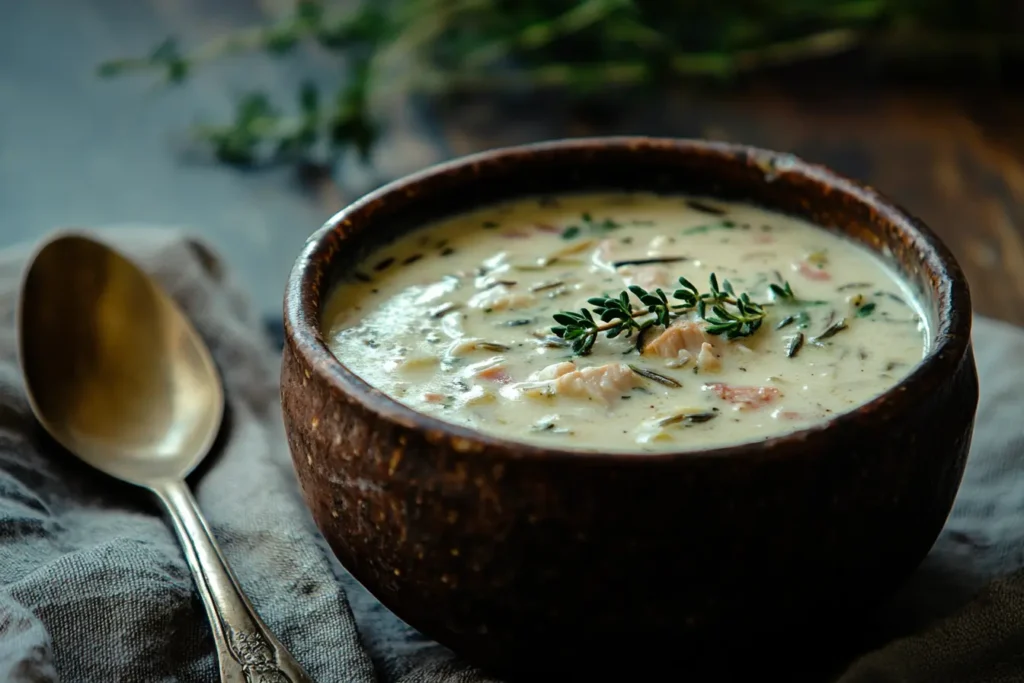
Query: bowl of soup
{"points": [[582, 396]]}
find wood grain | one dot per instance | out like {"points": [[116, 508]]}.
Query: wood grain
{"points": [[961, 172], [75, 150]]}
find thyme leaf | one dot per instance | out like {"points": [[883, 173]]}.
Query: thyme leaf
{"points": [[784, 293], [866, 310]]}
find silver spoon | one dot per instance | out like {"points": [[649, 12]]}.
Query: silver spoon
{"points": [[119, 377]]}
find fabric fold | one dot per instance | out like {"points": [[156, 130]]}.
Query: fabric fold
{"points": [[94, 588]]}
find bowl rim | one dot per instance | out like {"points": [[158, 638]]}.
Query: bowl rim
{"points": [[951, 333]]}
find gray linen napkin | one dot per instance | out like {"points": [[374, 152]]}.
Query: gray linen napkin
{"points": [[93, 587]]}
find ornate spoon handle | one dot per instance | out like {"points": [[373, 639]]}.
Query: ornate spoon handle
{"points": [[246, 649]]}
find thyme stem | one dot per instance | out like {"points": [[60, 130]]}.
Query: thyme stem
{"points": [[726, 312]]}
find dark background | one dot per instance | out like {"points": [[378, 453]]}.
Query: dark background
{"points": [[79, 151]]}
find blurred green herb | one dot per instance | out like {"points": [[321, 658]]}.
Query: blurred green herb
{"points": [[571, 233], [435, 46], [866, 310], [700, 229]]}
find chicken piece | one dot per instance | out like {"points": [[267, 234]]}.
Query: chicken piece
{"points": [[707, 359], [603, 383], [682, 335], [683, 357], [411, 363], [553, 371], [492, 370], [501, 298]]}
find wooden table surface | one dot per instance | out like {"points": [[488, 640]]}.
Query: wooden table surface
{"points": [[75, 150]]}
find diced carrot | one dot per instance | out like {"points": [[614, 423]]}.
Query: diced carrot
{"points": [[604, 383], [813, 272], [431, 397], [747, 398], [495, 374]]}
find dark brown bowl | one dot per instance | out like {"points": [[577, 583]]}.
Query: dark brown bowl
{"points": [[513, 554]]}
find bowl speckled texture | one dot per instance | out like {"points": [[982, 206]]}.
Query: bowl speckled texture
{"points": [[509, 553]]}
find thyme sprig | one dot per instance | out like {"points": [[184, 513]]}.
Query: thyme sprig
{"points": [[726, 312], [784, 293]]}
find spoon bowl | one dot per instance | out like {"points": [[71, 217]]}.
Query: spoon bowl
{"points": [[117, 375], [113, 369]]}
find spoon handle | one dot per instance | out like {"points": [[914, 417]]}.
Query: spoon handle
{"points": [[246, 649]]}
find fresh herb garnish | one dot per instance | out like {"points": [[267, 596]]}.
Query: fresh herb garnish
{"points": [[801, 318], [866, 310], [728, 313], [700, 229], [785, 294], [592, 226], [599, 226]]}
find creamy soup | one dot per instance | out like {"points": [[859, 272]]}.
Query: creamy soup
{"points": [[626, 322]]}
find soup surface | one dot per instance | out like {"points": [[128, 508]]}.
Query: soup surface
{"points": [[540, 320]]}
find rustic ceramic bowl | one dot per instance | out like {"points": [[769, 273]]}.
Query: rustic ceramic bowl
{"points": [[514, 554]]}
